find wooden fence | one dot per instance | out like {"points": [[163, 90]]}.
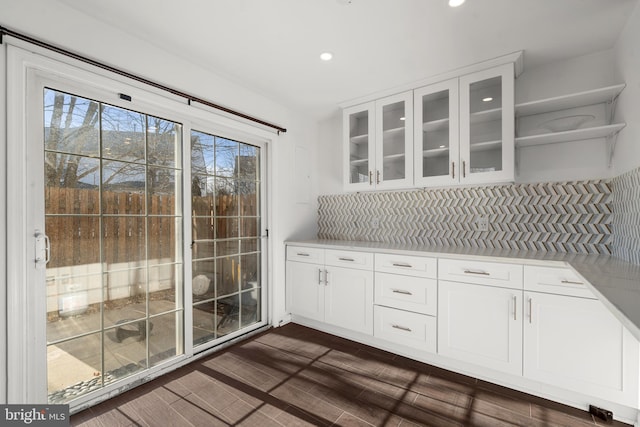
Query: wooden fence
{"points": [[73, 224]]}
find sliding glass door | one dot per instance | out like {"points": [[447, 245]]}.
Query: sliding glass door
{"points": [[112, 182], [137, 235], [226, 249]]}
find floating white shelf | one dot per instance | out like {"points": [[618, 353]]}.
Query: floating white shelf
{"points": [[399, 156], [394, 131], [579, 99], [358, 162], [570, 135]]}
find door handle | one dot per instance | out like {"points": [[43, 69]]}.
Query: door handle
{"points": [[42, 248]]}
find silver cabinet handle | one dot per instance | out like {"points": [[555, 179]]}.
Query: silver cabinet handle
{"points": [[515, 307], [530, 311], [319, 277], [400, 291], [482, 273], [326, 277], [464, 167], [377, 177], [402, 328], [453, 170], [571, 282], [370, 178], [302, 254], [401, 264], [346, 259]]}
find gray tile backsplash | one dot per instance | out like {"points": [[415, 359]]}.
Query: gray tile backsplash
{"points": [[570, 217], [594, 216], [625, 224]]}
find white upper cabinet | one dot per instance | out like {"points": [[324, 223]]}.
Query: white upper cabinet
{"points": [[487, 126], [378, 144], [458, 131], [436, 134]]}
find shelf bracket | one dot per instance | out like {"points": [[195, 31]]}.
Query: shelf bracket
{"points": [[610, 108], [611, 144]]}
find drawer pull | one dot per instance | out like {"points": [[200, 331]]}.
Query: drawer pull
{"points": [[400, 291], [346, 259], [402, 328], [400, 264], [570, 282], [302, 254], [482, 273]]}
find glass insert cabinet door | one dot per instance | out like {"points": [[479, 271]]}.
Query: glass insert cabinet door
{"points": [[378, 144], [359, 152], [487, 125], [436, 158]]}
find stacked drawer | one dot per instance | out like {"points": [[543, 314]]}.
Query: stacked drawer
{"points": [[406, 299]]}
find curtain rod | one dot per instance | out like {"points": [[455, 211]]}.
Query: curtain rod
{"points": [[190, 98]]}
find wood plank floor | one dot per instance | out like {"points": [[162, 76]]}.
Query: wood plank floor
{"points": [[296, 376]]}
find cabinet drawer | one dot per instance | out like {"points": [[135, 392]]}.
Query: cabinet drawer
{"points": [[305, 254], [416, 294], [554, 280], [408, 265], [481, 272], [350, 259], [405, 328]]}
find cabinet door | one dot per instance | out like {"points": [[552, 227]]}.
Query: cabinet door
{"points": [[436, 134], [481, 325], [394, 141], [349, 299], [359, 152], [487, 125], [305, 289], [577, 344]]}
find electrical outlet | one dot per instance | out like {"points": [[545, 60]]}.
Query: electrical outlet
{"points": [[482, 223], [375, 223]]}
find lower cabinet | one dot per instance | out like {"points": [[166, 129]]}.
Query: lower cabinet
{"points": [[481, 325], [577, 344], [405, 328], [320, 288]]}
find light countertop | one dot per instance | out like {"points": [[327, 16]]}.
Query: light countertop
{"points": [[615, 282]]}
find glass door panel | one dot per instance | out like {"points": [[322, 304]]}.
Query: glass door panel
{"points": [[112, 213], [486, 125], [394, 141], [393, 138], [359, 150], [436, 134], [226, 233]]}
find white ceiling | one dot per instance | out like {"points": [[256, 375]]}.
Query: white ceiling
{"points": [[273, 46]]}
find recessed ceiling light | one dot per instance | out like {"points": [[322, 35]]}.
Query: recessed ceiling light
{"points": [[326, 56], [455, 3], [487, 99]]}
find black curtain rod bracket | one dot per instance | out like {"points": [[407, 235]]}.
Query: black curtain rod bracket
{"points": [[5, 31]]}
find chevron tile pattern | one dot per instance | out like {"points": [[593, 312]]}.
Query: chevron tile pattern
{"points": [[572, 217], [625, 224]]}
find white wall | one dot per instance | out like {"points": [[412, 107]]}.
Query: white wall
{"points": [[3, 222], [330, 154], [63, 26], [627, 154]]}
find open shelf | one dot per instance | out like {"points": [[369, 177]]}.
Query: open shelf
{"points": [[358, 162], [570, 135], [399, 156], [579, 99], [435, 152]]}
